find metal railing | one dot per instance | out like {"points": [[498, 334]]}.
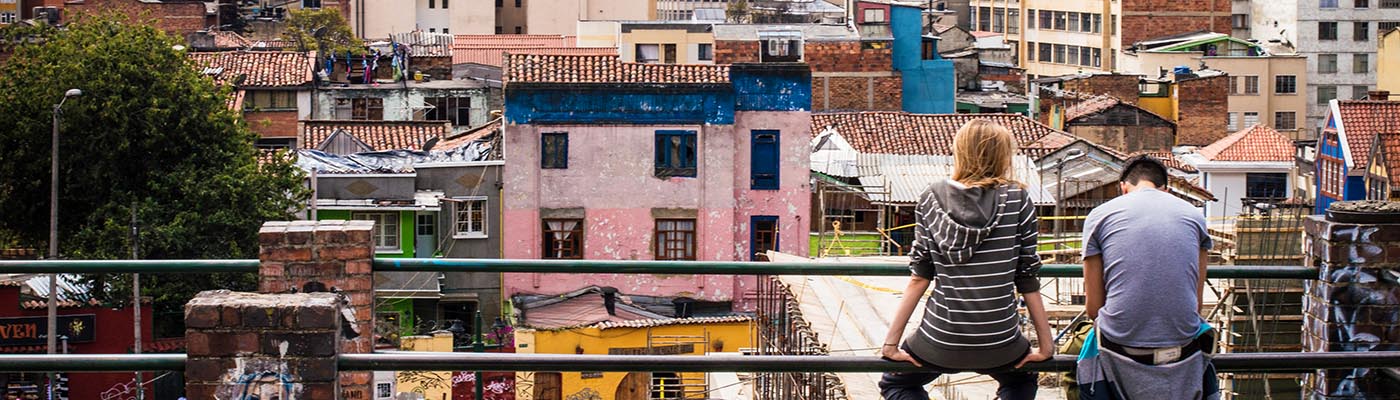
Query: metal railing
{"points": [[593, 266]]}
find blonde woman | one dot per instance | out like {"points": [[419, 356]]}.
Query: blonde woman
{"points": [[975, 241]]}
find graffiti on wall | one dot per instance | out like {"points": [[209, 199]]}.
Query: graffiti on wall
{"points": [[259, 379], [496, 386]]}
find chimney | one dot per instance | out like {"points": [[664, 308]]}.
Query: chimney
{"points": [[1378, 95], [610, 299]]}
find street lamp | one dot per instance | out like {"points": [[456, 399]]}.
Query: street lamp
{"points": [[52, 335]]}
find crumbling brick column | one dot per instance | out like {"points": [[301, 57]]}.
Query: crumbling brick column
{"points": [[265, 346], [1354, 305], [322, 256]]}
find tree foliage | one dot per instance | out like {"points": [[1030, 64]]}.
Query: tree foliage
{"points": [[323, 30], [148, 134]]}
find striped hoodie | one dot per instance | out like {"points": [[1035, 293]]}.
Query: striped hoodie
{"points": [[978, 247]]}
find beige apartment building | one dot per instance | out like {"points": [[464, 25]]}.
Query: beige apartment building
{"points": [[670, 42], [561, 17], [1268, 81], [377, 19]]}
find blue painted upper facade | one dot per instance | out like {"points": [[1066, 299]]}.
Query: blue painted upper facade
{"points": [[752, 87], [1329, 150], [929, 84]]}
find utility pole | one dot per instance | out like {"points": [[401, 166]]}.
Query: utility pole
{"points": [[478, 347], [136, 300], [51, 336]]}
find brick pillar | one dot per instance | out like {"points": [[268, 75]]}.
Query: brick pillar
{"points": [[319, 256], [248, 345], [1353, 306]]}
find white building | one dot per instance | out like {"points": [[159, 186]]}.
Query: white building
{"points": [[1255, 163]]}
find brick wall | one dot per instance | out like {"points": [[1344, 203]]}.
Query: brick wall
{"points": [[246, 345], [889, 93], [1124, 87], [272, 123], [1147, 19], [318, 256], [736, 51], [1351, 306], [1203, 107], [857, 93], [847, 56], [179, 18]]}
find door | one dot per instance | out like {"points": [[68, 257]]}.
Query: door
{"points": [[635, 386], [549, 386], [425, 235], [763, 160], [763, 235]]}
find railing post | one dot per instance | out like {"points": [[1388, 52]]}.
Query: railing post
{"points": [[1354, 305], [322, 256], [264, 346]]}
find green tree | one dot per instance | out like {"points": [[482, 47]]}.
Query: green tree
{"points": [[148, 134], [323, 30]]}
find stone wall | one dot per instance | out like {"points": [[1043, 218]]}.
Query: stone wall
{"points": [[1354, 305]]}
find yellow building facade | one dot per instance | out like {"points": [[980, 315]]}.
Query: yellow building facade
{"points": [[9, 12], [427, 384], [1388, 62], [690, 336], [668, 42]]}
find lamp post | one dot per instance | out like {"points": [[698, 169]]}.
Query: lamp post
{"points": [[52, 333]]}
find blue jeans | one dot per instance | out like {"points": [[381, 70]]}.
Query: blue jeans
{"points": [[1015, 385]]}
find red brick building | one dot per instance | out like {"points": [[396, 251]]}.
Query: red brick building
{"points": [[850, 71], [178, 17], [275, 88], [1146, 19]]}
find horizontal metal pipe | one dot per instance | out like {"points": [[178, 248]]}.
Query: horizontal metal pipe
{"points": [[91, 362], [423, 361], [592, 266], [426, 361]]}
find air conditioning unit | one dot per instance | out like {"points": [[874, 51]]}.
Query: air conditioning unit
{"points": [[47, 14]]}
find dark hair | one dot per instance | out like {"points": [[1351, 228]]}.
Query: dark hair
{"points": [[1144, 167]]}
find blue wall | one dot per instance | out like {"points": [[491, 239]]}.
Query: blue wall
{"points": [[557, 103], [929, 85], [760, 87]]}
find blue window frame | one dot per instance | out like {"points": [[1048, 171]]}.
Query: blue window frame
{"points": [[675, 153], [763, 160], [554, 150], [763, 236]]}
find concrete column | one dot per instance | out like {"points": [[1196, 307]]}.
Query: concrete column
{"points": [[324, 256], [247, 345], [1353, 306]]}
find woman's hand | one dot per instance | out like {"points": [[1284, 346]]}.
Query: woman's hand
{"points": [[894, 353], [1045, 353]]}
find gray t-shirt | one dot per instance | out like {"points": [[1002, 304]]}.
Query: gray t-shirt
{"points": [[1151, 245]]}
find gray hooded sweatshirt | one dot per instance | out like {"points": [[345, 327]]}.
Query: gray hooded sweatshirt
{"points": [[978, 246]]}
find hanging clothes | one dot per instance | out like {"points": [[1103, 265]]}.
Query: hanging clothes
{"points": [[347, 65], [330, 65]]}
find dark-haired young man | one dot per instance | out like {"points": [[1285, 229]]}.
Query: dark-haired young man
{"points": [[1145, 256]]}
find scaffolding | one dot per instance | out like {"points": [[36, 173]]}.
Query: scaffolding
{"points": [[1262, 315], [782, 330], [847, 227]]}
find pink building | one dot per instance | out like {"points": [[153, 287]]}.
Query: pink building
{"points": [[611, 160]]}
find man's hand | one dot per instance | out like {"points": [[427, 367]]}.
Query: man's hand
{"points": [[894, 353], [1042, 355]]}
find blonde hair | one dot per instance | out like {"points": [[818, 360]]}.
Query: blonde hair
{"points": [[982, 153]]}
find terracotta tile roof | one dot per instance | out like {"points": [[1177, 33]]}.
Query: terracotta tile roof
{"points": [[1256, 143], [1168, 159], [982, 34], [648, 323], [1362, 120], [267, 155], [495, 56], [258, 68], [230, 40], [892, 132], [519, 41], [1098, 104], [473, 135], [1390, 144], [378, 135], [535, 68]]}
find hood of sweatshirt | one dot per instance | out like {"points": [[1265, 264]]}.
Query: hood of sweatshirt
{"points": [[963, 217]]}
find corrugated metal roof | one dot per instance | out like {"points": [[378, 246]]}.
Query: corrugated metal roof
{"points": [[810, 32], [907, 176], [648, 323]]}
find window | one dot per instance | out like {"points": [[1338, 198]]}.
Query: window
{"points": [[1060, 54], [500, 3], [1326, 63], [675, 153], [927, 51], [763, 160], [1239, 21], [765, 235], [705, 52], [360, 109], [983, 18], [270, 100], [1285, 84], [1328, 3], [874, 15], [1013, 21], [500, 30], [1061, 20], [519, 30], [1250, 119], [784, 47], [668, 53], [1030, 51], [432, 30], [444, 30], [1113, 24], [386, 229], [648, 53], [1098, 57], [1047, 19], [469, 218], [310, 3], [1360, 92], [430, 4], [1327, 30], [7, 18], [1084, 58], [383, 390], [1098, 23], [999, 20], [455, 109], [517, 5], [1030, 20], [1326, 94], [1361, 31], [1251, 85], [1234, 85], [554, 150], [1045, 52], [1383, 27], [444, 6], [1086, 24], [1266, 185], [675, 239], [1232, 122], [1285, 120], [1360, 63], [1362, 4], [563, 238], [1072, 54]]}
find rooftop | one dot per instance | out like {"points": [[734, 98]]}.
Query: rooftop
{"points": [[1362, 120], [1389, 144], [810, 32], [534, 68], [892, 132], [256, 68], [490, 49], [1257, 143], [1098, 104], [375, 135]]}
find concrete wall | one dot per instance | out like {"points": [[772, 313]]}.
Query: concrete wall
{"points": [[1266, 102], [1345, 47], [928, 84], [1228, 184], [509, 17], [687, 43], [400, 103], [468, 181], [1127, 139], [1388, 63], [1106, 39]]}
